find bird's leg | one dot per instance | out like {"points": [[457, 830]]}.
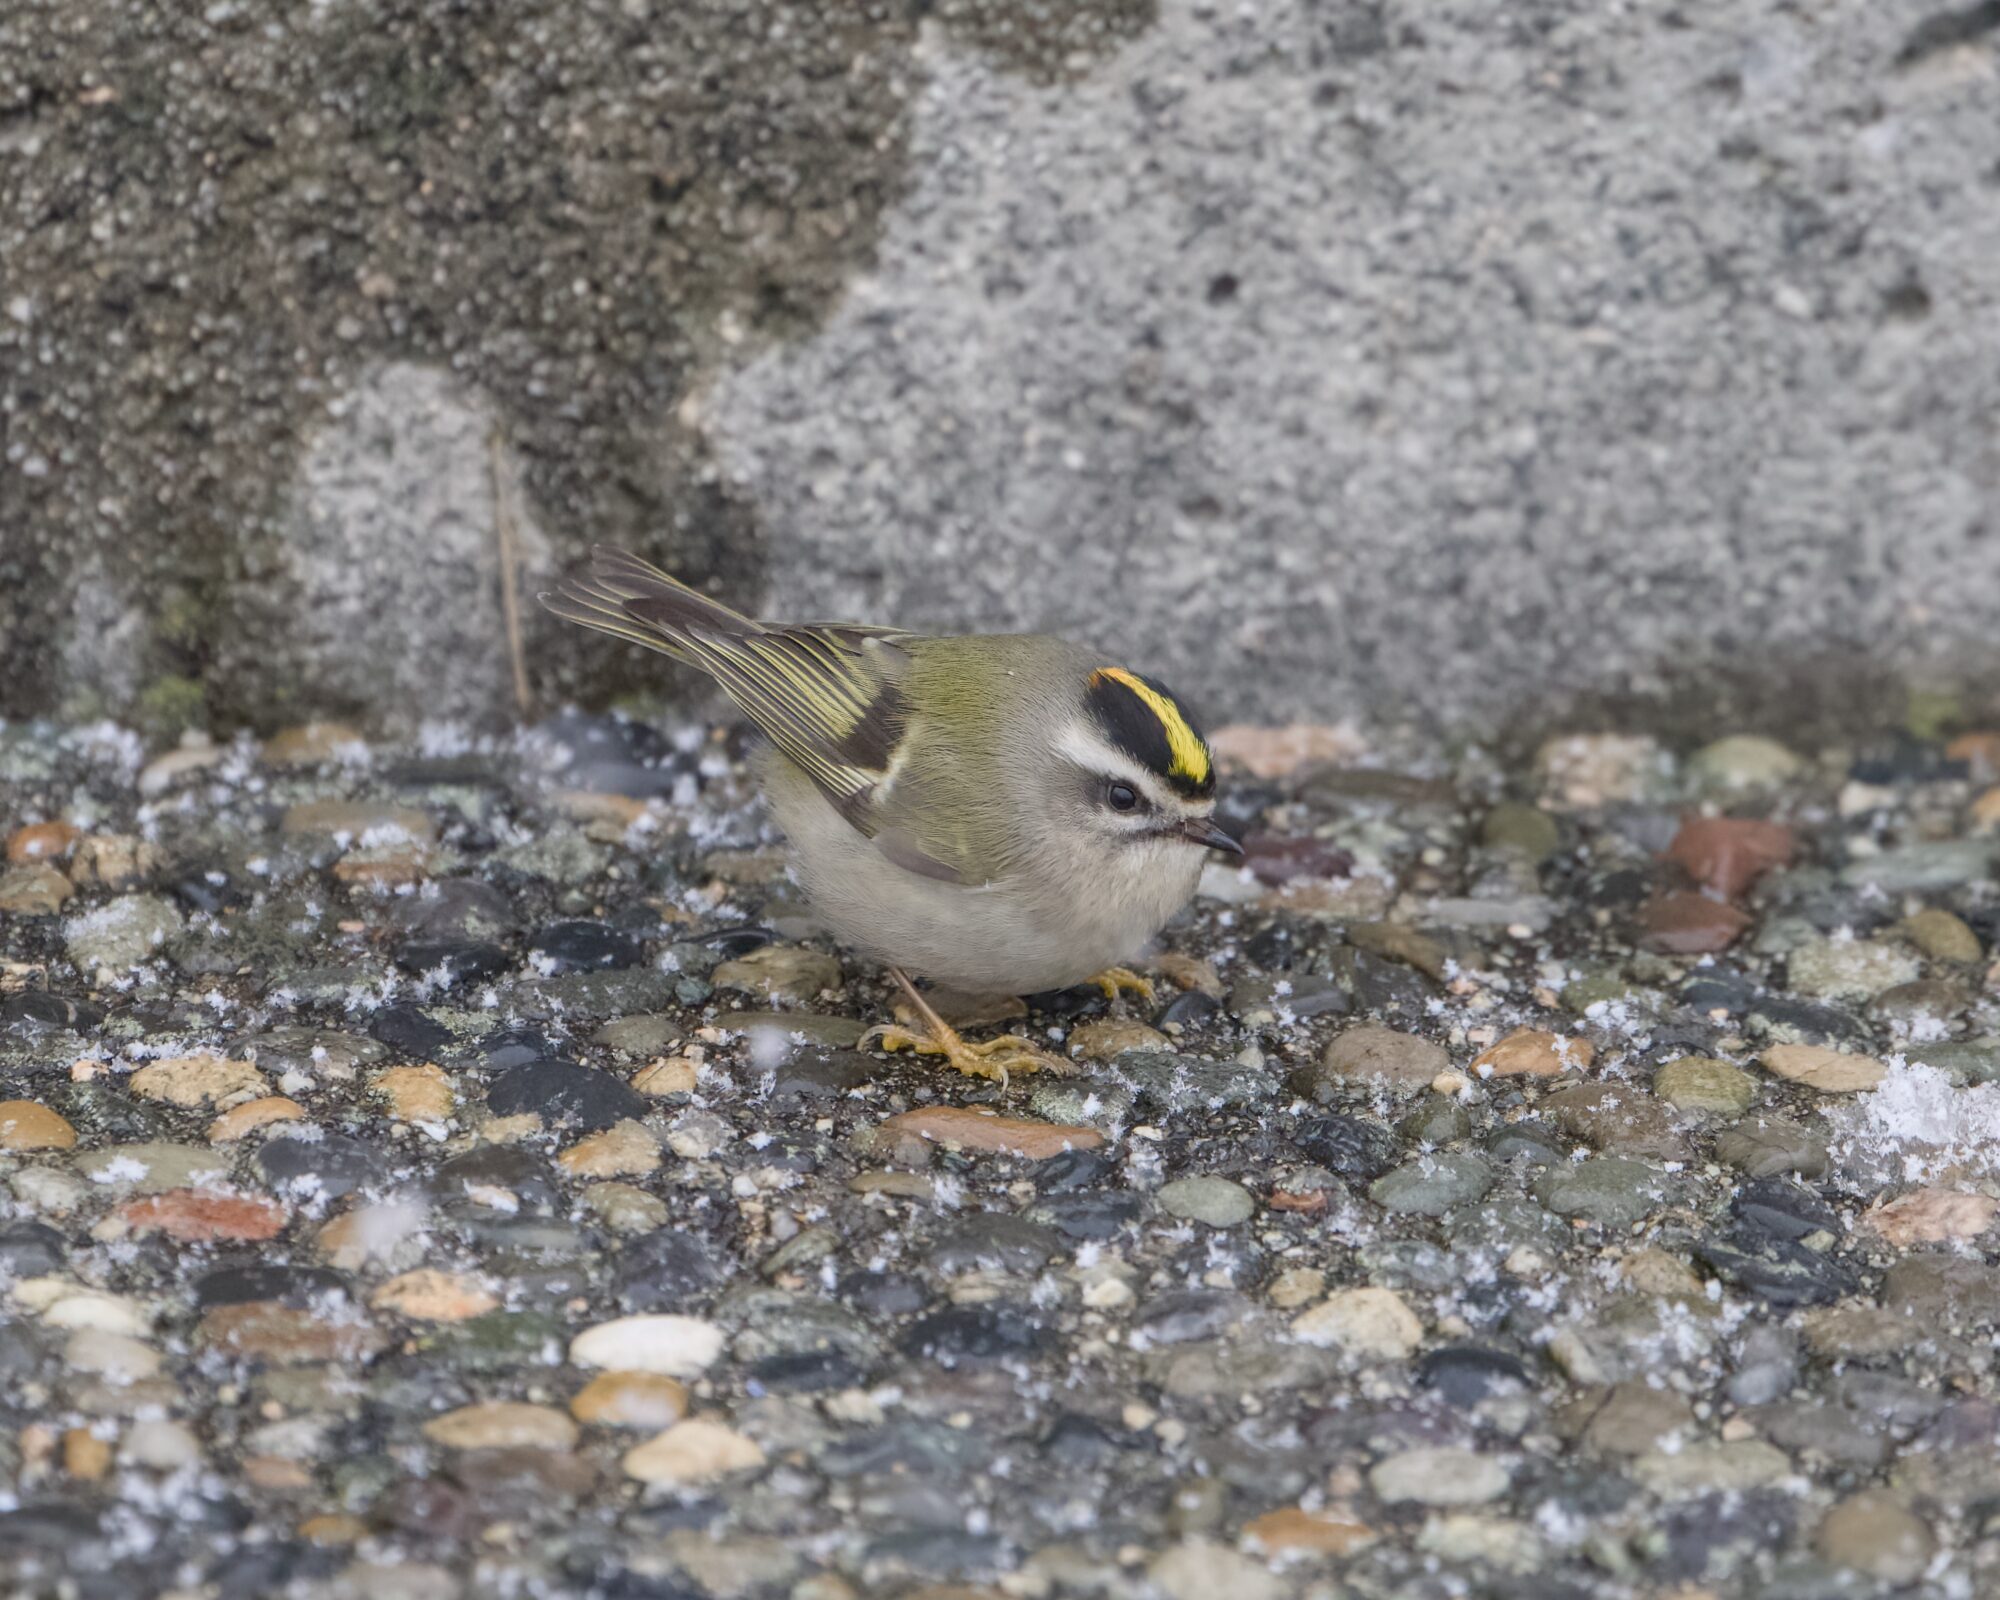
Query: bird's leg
{"points": [[1115, 981], [995, 1059]]}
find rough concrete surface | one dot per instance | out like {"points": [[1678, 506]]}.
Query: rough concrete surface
{"points": [[1435, 357], [1322, 358], [229, 232]]}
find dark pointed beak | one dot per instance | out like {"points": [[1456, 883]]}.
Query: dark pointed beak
{"points": [[1203, 831]]}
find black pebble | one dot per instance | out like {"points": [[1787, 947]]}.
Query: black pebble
{"points": [[1775, 1270], [31, 1249], [294, 1286], [1779, 1208], [1465, 1374], [498, 1166], [563, 1094], [1355, 1149], [1091, 1217], [331, 1166], [583, 947], [973, 1333], [808, 1371], [35, 1010], [404, 1028], [1073, 1169], [1189, 1009], [822, 1075], [666, 1270], [887, 1294], [459, 960], [1074, 1440]]}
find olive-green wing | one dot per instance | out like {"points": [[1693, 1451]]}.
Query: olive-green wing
{"points": [[826, 694]]}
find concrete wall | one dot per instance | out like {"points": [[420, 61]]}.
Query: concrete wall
{"points": [[1457, 360]]}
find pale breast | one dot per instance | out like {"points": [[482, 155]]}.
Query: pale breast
{"points": [[1044, 930]]}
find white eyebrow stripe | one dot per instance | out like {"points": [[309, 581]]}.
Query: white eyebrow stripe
{"points": [[1093, 754]]}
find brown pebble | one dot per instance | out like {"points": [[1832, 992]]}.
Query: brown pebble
{"points": [[198, 1082], [970, 1129], [364, 823], [626, 1149], [1876, 1533], [112, 861], [85, 1455], [1931, 1216], [416, 1094], [501, 1425], [916, 1186], [286, 1336], [1107, 1037], [1728, 854], [1533, 1052], [1979, 751], [309, 744], [239, 1121], [201, 1216], [42, 841], [35, 889], [1327, 1533], [1690, 925], [647, 1400], [430, 1295], [1396, 941], [668, 1075], [1942, 936], [1818, 1067], [275, 1473], [394, 867], [333, 1528], [28, 1125]]}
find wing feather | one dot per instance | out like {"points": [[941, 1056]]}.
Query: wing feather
{"points": [[826, 694]]}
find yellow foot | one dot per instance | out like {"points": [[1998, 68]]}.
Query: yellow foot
{"points": [[1115, 981], [997, 1059]]}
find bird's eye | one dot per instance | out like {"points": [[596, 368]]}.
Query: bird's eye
{"points": [[1121, 797]]}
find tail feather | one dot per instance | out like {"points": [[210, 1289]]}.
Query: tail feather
{"points": [[634, 600]]}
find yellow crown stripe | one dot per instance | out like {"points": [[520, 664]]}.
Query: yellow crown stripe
{"points": [[1190, 755]]}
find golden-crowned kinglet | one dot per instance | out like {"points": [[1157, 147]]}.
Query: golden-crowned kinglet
{"points": [[1001, 813]]}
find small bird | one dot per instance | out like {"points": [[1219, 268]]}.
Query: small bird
{"points": [[999, 813]]}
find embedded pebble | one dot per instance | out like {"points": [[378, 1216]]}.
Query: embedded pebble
{"points": [[1531, 1052], [26, 1126], [429, 1294], [1214, 1201], [240, 1121], [977, 1130], [1374, 1324], [1512, 1176], [1439, 1476], [1400, 1060], [624, 1150], [121, 933], [671, 1346], [692, 1453], [1705, 1086], [416, 1094], [503, 1424], [1826, 1070], [1875, 1533], [641, 1400], [199, 1082]]}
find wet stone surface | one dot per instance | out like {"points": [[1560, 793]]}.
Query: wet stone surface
{"points": [[534, 1217]]}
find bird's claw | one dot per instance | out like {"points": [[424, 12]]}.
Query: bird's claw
{"points": [[1115, 981]]}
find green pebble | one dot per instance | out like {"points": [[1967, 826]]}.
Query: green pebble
{"points": [[1705, 1085]]}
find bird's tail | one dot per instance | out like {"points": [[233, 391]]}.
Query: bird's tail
{"points": [[634, 600]]}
